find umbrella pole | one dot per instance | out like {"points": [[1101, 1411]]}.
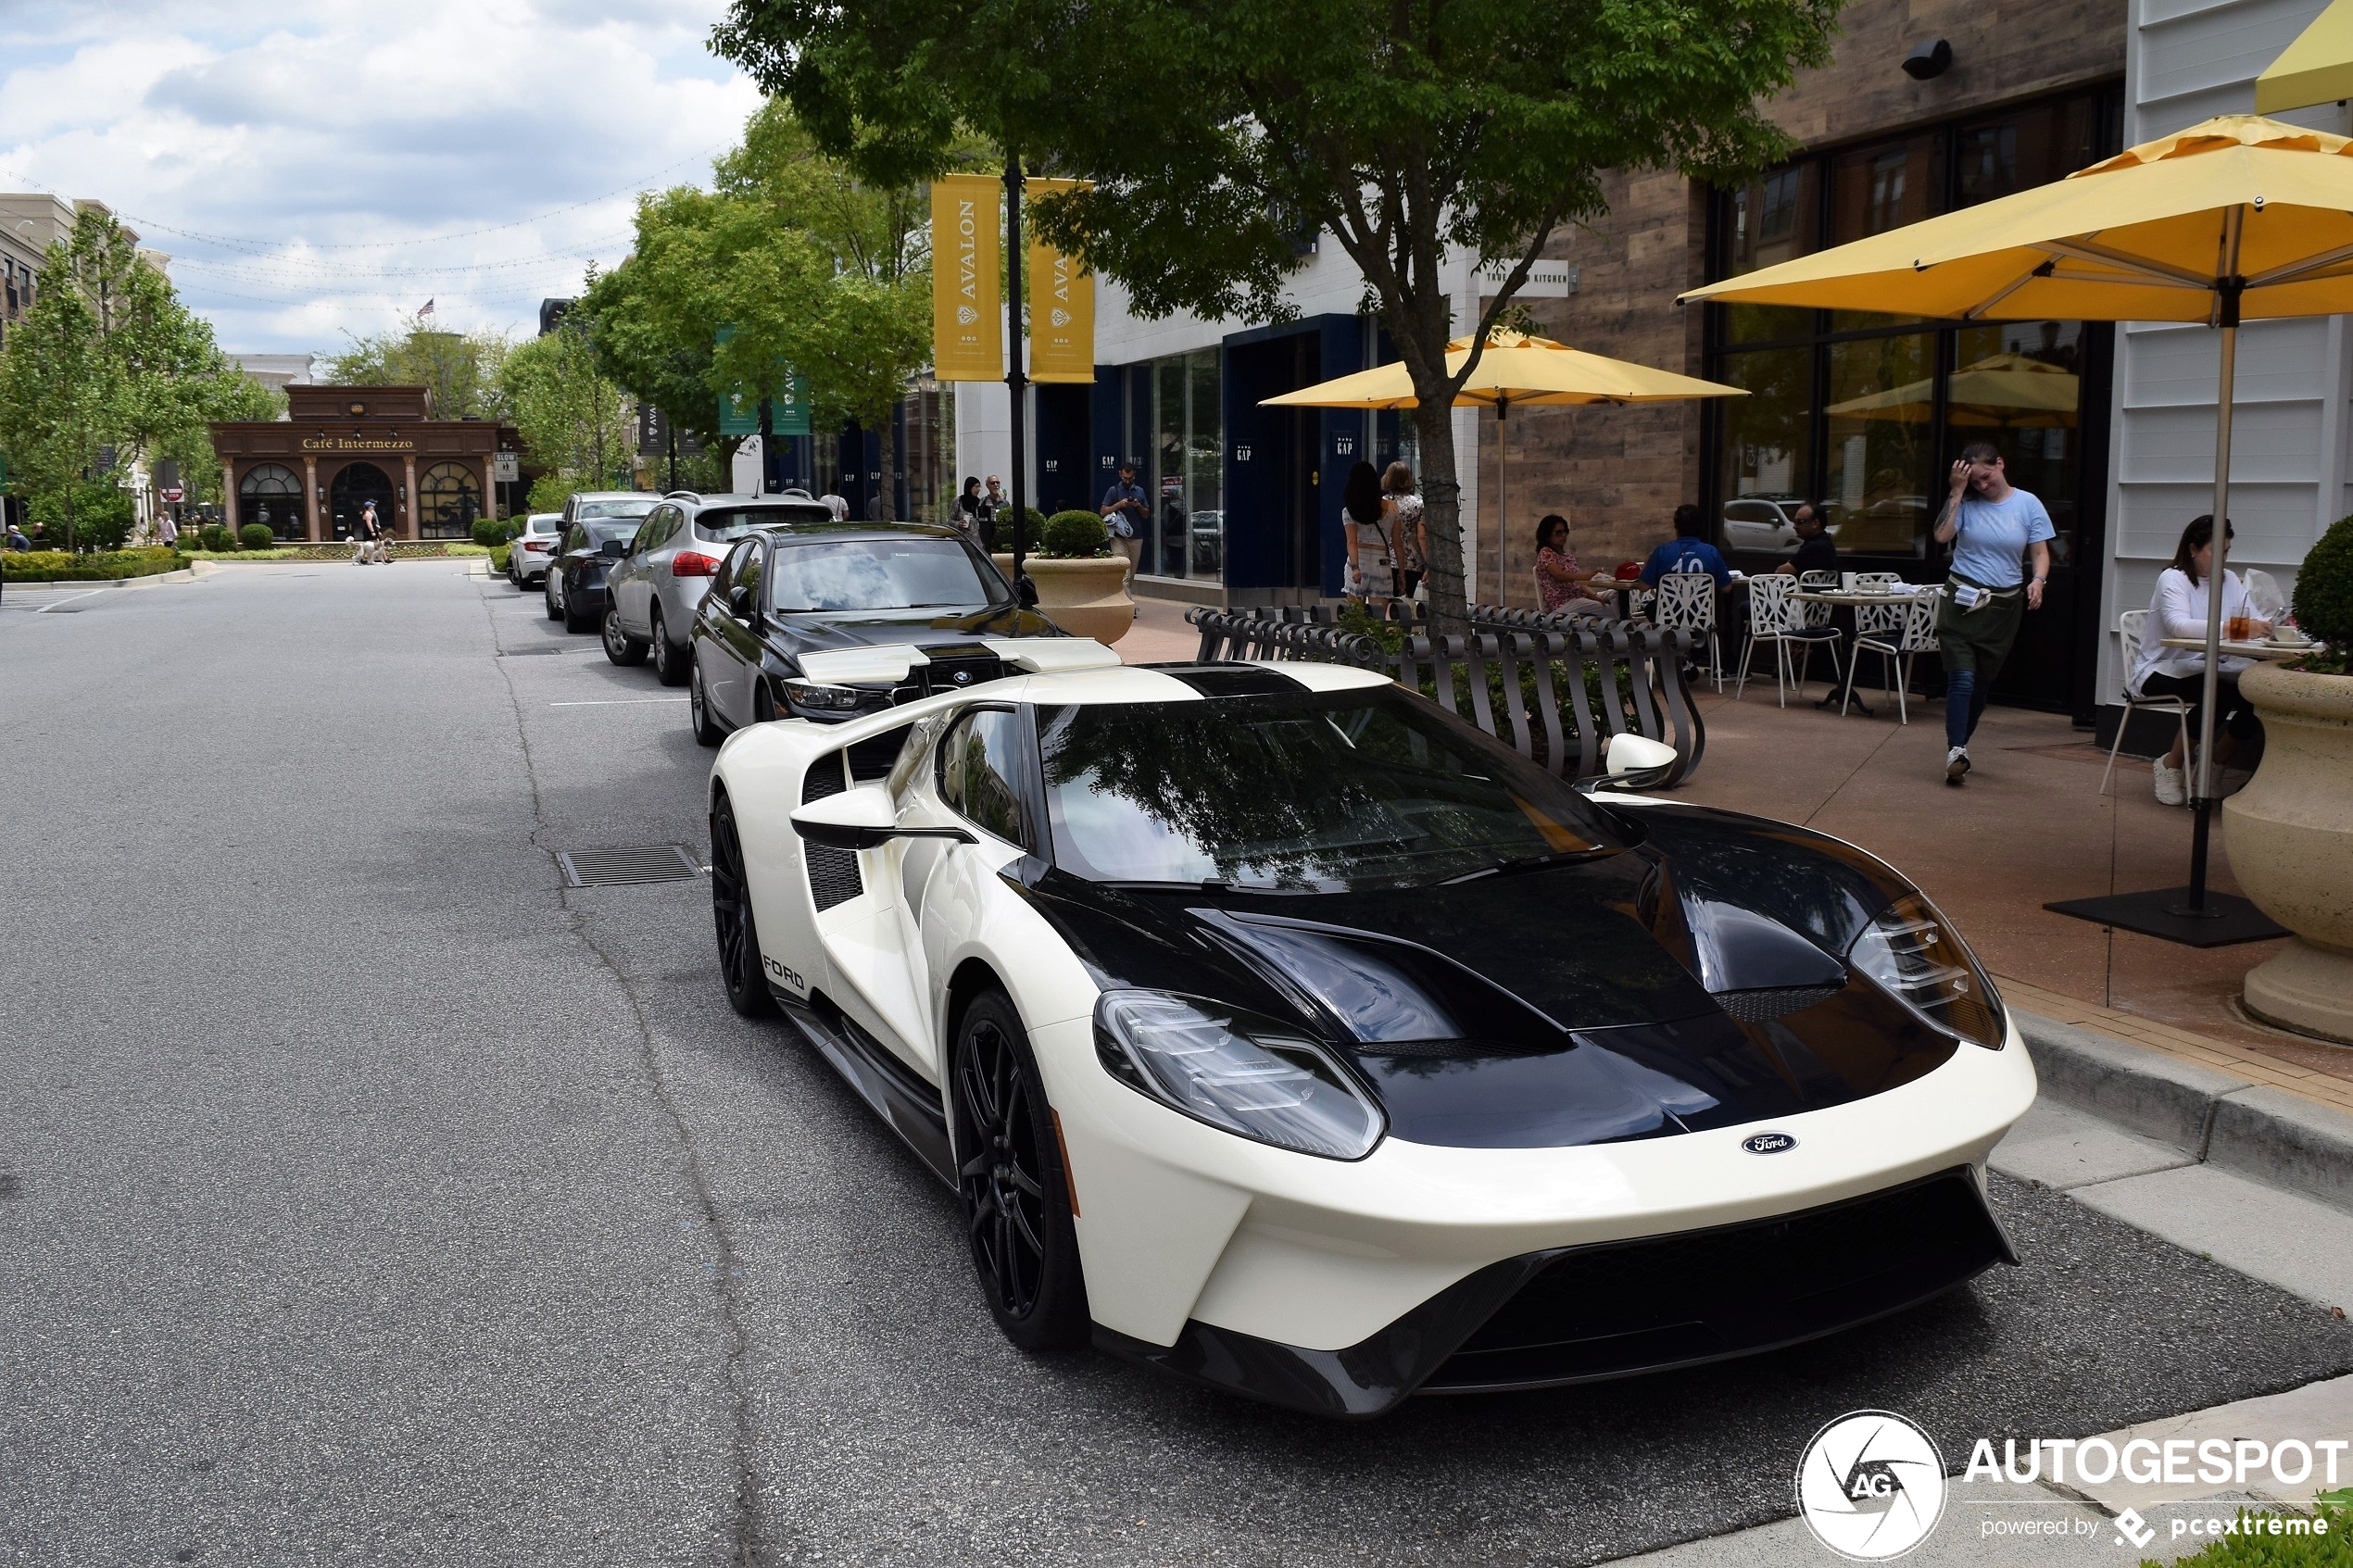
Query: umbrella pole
{"points": [[2201, 831]]}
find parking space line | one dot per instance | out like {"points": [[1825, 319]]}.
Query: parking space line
{"points": [[616, 702]]}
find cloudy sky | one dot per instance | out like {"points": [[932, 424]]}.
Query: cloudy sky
{"points": [[324, 168]]}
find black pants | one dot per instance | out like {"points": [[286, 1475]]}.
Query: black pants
{"points": [[2237, 717]]}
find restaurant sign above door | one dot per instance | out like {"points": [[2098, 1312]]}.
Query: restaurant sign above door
{"points": [[358, 444]]}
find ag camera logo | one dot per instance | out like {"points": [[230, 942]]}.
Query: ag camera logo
{"points": [[1871, 1486]]}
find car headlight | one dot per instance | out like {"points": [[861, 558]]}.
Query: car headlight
{"points": [[809, 695], [1913, 953], [1252, 1076]]}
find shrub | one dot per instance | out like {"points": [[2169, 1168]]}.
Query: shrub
{"points": [[256, 536], [58, 566], [100, 511], [1072, 536], [498, 559], [214, 537], [2325, 591], [489, 533]]}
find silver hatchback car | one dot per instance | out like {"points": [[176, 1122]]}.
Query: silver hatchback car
{"points": [[654, 590]]}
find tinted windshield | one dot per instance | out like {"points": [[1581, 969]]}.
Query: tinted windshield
{"points": [[916, 573], [720, 524], [632, 508], [1316, 790]]}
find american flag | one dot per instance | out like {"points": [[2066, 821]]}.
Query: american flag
{"points": [[426, 312]]}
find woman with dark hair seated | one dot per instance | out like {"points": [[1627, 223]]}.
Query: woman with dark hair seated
{"points": [[1559, 585], [2178, 609]]}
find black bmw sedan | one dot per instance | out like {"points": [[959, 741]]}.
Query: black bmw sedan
{"points": [[585, 557], [828, 621]]}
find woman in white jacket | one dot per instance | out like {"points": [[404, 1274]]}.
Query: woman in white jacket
{"points": [[2178, 609]]}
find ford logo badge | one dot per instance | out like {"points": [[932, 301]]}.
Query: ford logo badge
{"points": [[1768, 1143]]}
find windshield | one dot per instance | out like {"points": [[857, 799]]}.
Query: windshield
{"points": [[1314, 792], [724, 524], [912, 573], [633, 506]]}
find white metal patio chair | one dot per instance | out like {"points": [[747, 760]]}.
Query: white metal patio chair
{"points": [[1687, 603], [1896, 634], [2130, 627], [1774, 617]]}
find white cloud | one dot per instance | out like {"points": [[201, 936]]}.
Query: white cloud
{"points": [[326, 168]]}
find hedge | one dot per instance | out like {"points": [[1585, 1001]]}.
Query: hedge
{"points": [[58, 566]]}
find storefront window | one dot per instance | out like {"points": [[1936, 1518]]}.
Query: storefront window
{"points": [[448, 499], [270, 493], [1861, 411], [1188, 534]]}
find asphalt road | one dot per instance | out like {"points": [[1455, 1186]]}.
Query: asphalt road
{"points": [[365, 1197]]}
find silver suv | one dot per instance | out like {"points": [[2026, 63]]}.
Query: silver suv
{"points": [[653, 591]]}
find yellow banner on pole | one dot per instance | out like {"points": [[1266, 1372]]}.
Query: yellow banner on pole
{"points": [[1062, 306], [968, 299]]}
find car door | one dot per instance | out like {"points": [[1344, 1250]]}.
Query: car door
{"points": [[632, 579], [735, 626]]}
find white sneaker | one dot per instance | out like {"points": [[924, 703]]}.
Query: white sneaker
{"points": [[1955, 764], [2171, 788]]}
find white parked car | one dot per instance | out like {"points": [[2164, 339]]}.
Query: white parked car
{"points": [[532, 549], [1279, 1029]]}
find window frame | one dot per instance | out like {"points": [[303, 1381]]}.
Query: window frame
{"points": [[1022, 782]]}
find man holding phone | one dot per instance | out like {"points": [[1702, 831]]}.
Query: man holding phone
{"points": [[1993, 527]]}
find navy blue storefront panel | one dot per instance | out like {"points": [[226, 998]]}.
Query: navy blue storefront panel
{"points": [[1283, 470], [1065, 448], [1111, 382]]}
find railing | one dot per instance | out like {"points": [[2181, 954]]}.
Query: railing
{"points": [[1557, 696]]}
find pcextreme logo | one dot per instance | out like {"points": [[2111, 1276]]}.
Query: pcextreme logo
{"points": [[1871, 1486]]}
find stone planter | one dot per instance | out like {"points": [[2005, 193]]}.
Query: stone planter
{"points": [[2290, 834], [1086, 597]]}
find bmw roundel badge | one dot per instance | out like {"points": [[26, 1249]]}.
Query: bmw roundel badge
{"points": [[961, 677], [1768, 1143]]}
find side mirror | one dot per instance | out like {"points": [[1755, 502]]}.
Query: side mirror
{"points": [[613, 549], [738, 597], [1636, 762], [1027, 591], [865, 817]]}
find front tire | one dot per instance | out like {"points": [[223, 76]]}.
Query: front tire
{"points": [[1016, 1193], [738, 934], [620, 647], [707, 730], [670, 665]]}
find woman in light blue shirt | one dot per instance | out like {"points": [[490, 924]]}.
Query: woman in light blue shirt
{"points": [[1994, 529]]}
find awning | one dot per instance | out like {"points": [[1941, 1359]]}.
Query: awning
{"points": [[2316, 69]]}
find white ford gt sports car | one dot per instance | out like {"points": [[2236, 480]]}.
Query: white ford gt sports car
{"points": [[1278, 1029]]}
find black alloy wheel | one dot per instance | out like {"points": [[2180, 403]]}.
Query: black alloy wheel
{"points": [[620, 647], [706, 724], [669, 664], [548, 587], [731, 917], [1017, 1209]]}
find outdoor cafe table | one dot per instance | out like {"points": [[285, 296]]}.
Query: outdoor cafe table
{"points": [[1856, 597], [2272, 653]]}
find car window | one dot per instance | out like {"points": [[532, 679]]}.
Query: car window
{"points": [[1369, 787], [628, 507], [915, 572], [724, 578], [748, 569], [573, 537], [654, 529], [980, 772], [719, 524]]}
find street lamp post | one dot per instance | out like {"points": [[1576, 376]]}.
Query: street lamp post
{"points": [[1016, 381]]}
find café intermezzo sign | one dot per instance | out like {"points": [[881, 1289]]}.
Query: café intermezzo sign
{"points": [[357, 443]]}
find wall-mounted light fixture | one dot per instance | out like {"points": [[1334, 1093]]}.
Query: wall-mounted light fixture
{"points": [[1928, 61]]}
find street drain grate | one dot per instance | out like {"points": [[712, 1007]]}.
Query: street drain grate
{"points": [[611, 868]]}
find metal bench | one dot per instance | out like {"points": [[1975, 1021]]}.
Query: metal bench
{"points": [[1553, 688]]}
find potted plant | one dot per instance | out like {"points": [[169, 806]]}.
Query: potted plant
{"points": [[1082, 582], [2290, 831]]}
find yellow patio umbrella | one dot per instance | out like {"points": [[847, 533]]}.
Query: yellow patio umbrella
{"points": [[1516, 369], [2001, 390], [2316, 69], [2238, 217]]}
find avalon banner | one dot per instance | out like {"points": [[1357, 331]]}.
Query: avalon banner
{"points": [[967, 260], [1062, 306]]}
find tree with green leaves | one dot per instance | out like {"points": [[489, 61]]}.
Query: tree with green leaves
{"points": [[459, 370], [108, 358], [1218, 132], [574, 419]]}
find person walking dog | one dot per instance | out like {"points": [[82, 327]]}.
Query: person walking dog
{"points": [[1993, 527]]}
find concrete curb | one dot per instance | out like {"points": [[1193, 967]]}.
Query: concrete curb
{"points": [[2269, 1133], [74, 584]]}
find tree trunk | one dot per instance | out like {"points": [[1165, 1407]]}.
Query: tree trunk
{"points": [[1442, 514]]}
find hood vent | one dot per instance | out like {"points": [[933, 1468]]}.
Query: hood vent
{"points": [[1764, 1005]]}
